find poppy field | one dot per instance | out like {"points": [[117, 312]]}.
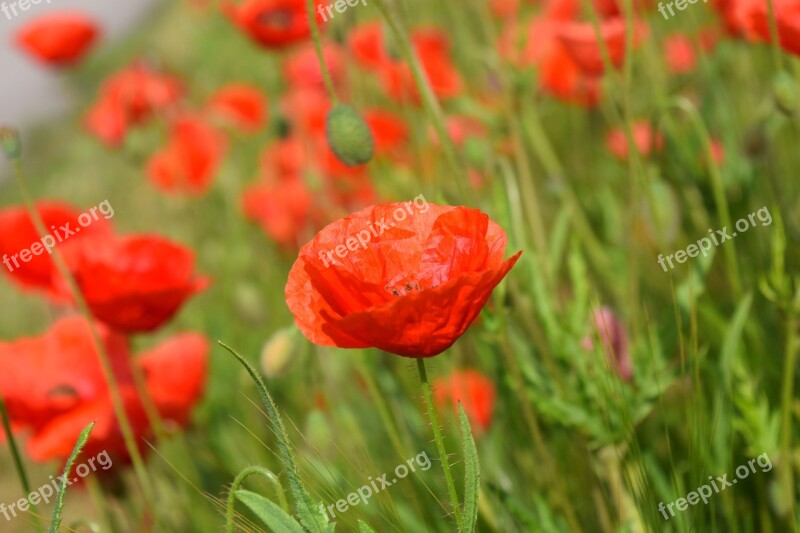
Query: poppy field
{"points": [[391, 265]]}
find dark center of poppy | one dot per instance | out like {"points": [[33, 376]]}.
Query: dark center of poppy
{"points": [[63, 390], [275, 20], [402, 290]]}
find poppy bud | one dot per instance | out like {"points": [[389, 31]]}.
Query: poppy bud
{"points": [[785, 91], [279, 352], [10, 142], [349, 136]]}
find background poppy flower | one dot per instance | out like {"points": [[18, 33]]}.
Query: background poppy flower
{"points": [[19, 234], [58, 39], [412, 291], [242, 105], [475, 391], [580, 42], [191, 158], [271, 23], [614, 339], [136, 283], [646, 138]]}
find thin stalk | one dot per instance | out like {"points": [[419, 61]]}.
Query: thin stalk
{"points": [[429, 100], [23, 476], [427, 394], [787, 398], [326, 75], [105, 360]]}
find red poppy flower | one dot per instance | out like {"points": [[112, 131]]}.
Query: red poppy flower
{"points": [[504, 8], [45, 376], [58, 39], [388, 130], [787, 15], [58, 388], [136, 283], [580, 42], [680, 55], [412, 288], [302, 69], [242, 105], [130, 97], [646, 138], [282, 161], [271, 23], [283, 211], [475, 391], [614, 339], [20, 240], [188, 163]]}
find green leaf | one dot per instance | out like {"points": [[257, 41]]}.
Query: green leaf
{"points": [[55, 522], [309, 518], [471, 475], [271, 514]]}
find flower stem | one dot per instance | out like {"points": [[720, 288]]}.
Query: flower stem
{"points": [[23, 477], [326, 75], [427, 393], [787, 398], [105, 361]]}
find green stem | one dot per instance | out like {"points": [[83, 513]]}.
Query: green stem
{"points": [[427, 393], [23, 476], [105, 361], [430, 102], [786, 411], [243, 475], [326, 75]]}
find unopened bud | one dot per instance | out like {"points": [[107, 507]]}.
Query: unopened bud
{"points": [[349, 136], [10, 142], [279, 352], [785, 90]]}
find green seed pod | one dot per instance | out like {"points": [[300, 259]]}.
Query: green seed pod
{"points": [[349, 136], [10, 142], [786, 93]]}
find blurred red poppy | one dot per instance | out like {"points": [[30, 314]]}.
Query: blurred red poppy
{"points": [[190, 160], [413, 288], [679, 54], [58, 39], [19, 239], [58, 387], [136, 283], [282, 211], [580, 42], [271, 23], [787, 15], [130, 97], [302, 68], [475, 391], [614, 340], [244, 106], [646, 138]]}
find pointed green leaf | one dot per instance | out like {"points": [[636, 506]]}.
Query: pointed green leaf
{"points": [[472, 475], [363, 527], [271, 514]]}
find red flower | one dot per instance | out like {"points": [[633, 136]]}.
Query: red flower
{"points": [[614, 339], [242, 105], [271, 23], [136, 283], [580, 42], [58, 39], [283, 211], [302, 69], [680, 55], [53, 385], [412, 288], [646, 138], [787, 14], [475, 391], [388, 131], [20, 240], [188, 163], [130, 97]]}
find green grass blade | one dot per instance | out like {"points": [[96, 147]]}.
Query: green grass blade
{"points": [[62, 489], [472, 475]]}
